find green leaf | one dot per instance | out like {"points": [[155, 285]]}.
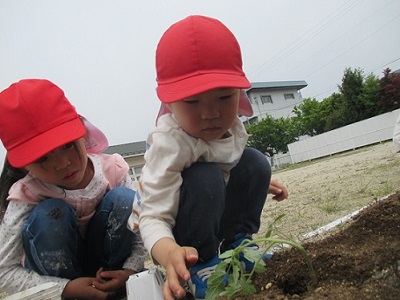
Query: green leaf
{"points": [[213, 292], [253, 255], [215, 283], [226, 254], [231, 290], [247, 288]]}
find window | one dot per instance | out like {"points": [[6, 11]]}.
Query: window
{"points": [[289, 96], [266, 99]]}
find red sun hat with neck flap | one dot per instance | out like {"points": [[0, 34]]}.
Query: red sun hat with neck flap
{"points": [[198, 54], [37, 118]]}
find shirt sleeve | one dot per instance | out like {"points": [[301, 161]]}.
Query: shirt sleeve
{"points": [[160, 184], [14, 277], [115, 169]]}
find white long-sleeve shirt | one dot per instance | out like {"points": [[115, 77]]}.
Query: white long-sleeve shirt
{"points": [[109, 171], [170, 151]]}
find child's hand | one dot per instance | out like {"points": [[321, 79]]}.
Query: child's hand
{"points": [[83, 288], [278, 190], [108, 281], [179, 260]]}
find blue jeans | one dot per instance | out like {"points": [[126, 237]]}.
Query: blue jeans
{"points": [[54, 246], [211, 211]]}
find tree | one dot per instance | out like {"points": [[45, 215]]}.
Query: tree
{"points": [[370, 97], [351, 89], [271, 136], [389, 90], [334, 107], [310, 117]]}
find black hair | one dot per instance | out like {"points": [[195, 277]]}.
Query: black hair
{"points": [[9, 175]]}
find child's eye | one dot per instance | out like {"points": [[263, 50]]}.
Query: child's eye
{"points": [[68, 146], [227, 94], [41, 160], [191, 101], [225, 97]]}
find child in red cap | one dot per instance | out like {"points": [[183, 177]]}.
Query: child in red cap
{"points": [[202, 190], [68, 204]]}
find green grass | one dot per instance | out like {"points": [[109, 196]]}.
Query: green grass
{"points": [[331, 202], [385, 188]]}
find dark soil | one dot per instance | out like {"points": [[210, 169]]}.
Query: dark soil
{"points": [[359, 261]]}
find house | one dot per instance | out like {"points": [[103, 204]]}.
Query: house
{"points": [[275, 98], [133, 153]]}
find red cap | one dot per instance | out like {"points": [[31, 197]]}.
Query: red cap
{"points": [[195, 55], [36, 118]]}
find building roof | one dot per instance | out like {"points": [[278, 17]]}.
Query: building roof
{"points": [[129, 149], [299, 84]]}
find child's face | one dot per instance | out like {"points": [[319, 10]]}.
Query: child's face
{"points": [[208, 115], [65, 166]]}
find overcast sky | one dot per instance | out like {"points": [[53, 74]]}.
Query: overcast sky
{"points": [[101, 53]]}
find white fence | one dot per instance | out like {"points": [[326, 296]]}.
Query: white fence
{"points": [[280, 160], [366, 132]]}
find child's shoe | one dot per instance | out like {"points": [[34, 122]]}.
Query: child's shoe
{"points": [[247, 265], [199, 275]]}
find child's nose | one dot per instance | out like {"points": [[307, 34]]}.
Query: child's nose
{"points": [[61, 162], [210, 112]]}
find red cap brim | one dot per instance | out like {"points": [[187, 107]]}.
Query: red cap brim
{"points": [[30, 151], [244, 107]]}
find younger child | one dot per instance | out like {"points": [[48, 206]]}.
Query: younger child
{"points": [[67, 210], [202, 190]]}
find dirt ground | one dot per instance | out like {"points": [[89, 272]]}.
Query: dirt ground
{"points": [[359, 261], [360, 258]]}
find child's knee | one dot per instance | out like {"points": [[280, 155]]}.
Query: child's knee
{"points": [[121, 194], [52, 209], [50, 219], [257, 161]]}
